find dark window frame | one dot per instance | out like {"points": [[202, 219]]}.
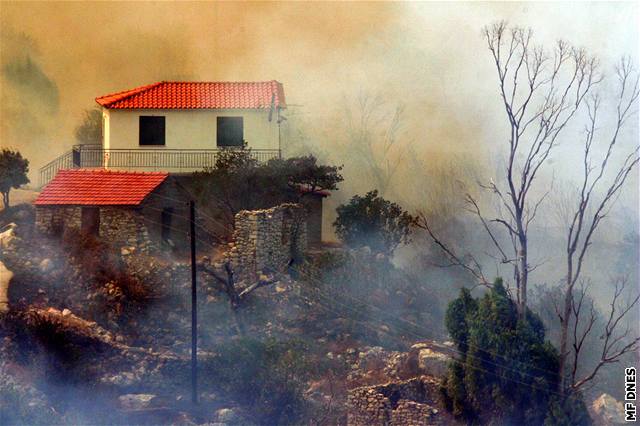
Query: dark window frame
{"points": [[226, 135], [151, 139]]}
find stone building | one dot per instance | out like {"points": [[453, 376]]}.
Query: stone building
{"points": [[409, 402], [141, 210]]}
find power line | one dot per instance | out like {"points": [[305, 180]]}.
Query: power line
{"points": [[185, 218], [328, 297], [200, 212], [531, 385], [503, 366]]}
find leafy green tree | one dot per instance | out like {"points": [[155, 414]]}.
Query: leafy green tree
{"points": [[238, 181], [374, 222], [90, 130], [507, 371], [13, 172]]}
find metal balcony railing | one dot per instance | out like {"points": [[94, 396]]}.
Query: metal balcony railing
{"points": [[147, 159]]}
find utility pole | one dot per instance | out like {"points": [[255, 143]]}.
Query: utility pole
{"points": [[194, 308]]}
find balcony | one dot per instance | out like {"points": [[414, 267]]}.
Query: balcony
{"points": [[150, 159]]}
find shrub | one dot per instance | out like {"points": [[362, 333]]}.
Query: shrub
{"points": [[266, 378], [506, 371], [374, 222], [370, 299], [19, 407], [101, 267]]}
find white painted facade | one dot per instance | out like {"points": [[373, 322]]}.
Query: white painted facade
{"points": [[188, 128]]}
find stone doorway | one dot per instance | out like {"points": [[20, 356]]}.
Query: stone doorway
{"points": [[90, 221]]}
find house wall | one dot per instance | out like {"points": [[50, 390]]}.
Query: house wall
{"points": [[313, 206], [106, 131], [169, 195], [188, 129]]}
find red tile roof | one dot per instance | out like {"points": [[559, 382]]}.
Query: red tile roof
{"points": [[99, 187], [190, 95]]}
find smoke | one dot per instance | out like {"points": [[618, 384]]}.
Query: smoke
{"points": [[29, 97], [427, 61]]}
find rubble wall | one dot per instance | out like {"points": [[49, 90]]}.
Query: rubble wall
{"points": [[56, 219], [118, 225], [125, 226], [267, 239], [400, 403]]}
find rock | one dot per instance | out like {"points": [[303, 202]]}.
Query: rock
{"points": [[608, 410], [66, 312], [5, 278], [136, 401], [207, 397], [227, 415], [26, 396], [432, 363], [46, 265], [8, 235]]}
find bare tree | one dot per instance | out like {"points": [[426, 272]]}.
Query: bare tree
{"points": [[591, 208], [615, 342], [541, 92], [373, 135], [235, 294]]}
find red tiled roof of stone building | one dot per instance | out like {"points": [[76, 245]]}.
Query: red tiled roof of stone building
{"points": [[99, 187]]}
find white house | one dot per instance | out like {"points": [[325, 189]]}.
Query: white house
{"points": [[180, 127], [193, 115], [177, 127]]}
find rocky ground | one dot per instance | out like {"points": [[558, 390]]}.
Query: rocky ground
{"points": [[104, 333], [98, 335]]}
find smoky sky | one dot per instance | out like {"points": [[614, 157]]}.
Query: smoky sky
{"points": [[430, 58]]}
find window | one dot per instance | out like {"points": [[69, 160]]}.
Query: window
{"points": [[230, 131], [151, 130]]}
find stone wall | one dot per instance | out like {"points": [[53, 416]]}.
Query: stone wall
{"points": [[53, 220], [266, 240], [122, 226], [409, 402], [125, 226]]}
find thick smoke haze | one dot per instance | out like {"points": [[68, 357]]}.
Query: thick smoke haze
{"points": [[427, 60]]}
